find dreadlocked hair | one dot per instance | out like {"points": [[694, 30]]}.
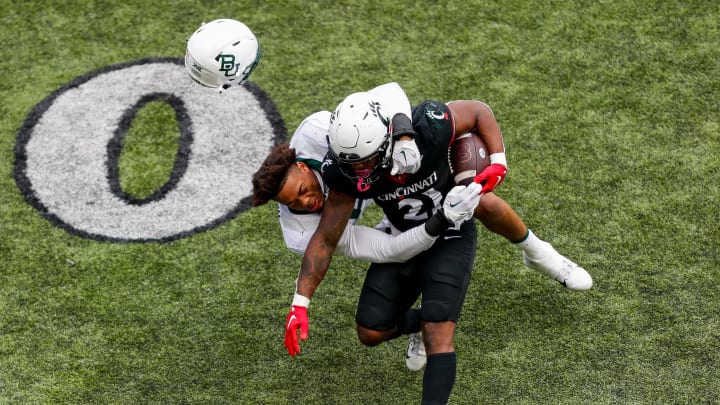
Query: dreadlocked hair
{"points": [[272, 174]]}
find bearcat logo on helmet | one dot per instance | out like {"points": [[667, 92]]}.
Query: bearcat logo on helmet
{"points": [[373, 106], [375, 109]]}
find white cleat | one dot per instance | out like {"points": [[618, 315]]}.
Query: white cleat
{"points": [[560, 268], [416, 358]]}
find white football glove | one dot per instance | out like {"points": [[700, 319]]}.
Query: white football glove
{"points": [[406, 157], [460, 203]]}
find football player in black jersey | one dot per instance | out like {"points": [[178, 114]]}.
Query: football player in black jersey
{"points": [[358, 165]]}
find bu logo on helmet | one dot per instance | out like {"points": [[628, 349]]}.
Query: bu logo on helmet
{"points": [[228, 65]]}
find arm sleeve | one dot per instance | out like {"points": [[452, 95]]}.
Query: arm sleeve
{"points": [[357, 242], [363, 243]]}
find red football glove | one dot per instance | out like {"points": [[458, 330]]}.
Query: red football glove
{"points": [[491, 177], [296, 319]]}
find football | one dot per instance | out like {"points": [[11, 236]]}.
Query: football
{"points": [[467, 156]]}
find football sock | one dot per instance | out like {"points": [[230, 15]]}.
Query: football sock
{"points": [[527, 239], [439, 378], [531, 244]]}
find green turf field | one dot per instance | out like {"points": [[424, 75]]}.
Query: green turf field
{"points": [[611, 119]]}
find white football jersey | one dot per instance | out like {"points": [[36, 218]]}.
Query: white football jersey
{"points": [[310, 137], [310, 143]]}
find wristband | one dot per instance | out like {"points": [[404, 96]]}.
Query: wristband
{"points": [[401, 125], [437, 224], [498, 158], [301, 301]]}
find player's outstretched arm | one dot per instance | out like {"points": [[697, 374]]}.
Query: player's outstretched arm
{"points": [[316, 262], [322, 245], [374, 245]]}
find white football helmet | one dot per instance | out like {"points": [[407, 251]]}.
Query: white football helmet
{"points": [[358, 133], [222, 53]]}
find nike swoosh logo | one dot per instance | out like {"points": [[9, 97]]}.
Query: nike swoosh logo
{"points": [[292, 318], [403, 155], [455, 205], [451, 237]]}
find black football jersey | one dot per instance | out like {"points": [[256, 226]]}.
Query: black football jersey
{"points": [[412, 200]]}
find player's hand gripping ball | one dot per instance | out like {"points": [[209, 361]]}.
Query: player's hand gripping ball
{"points": [[468, 157]]}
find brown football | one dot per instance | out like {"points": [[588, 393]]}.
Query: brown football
{"points": [[468, 156]]}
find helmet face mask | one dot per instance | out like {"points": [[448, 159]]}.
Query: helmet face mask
{"points": [[222, 53], [359, 138], [365, 171]]}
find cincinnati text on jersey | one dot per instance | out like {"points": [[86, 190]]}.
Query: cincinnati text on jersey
{"points": [[404, 191]]}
